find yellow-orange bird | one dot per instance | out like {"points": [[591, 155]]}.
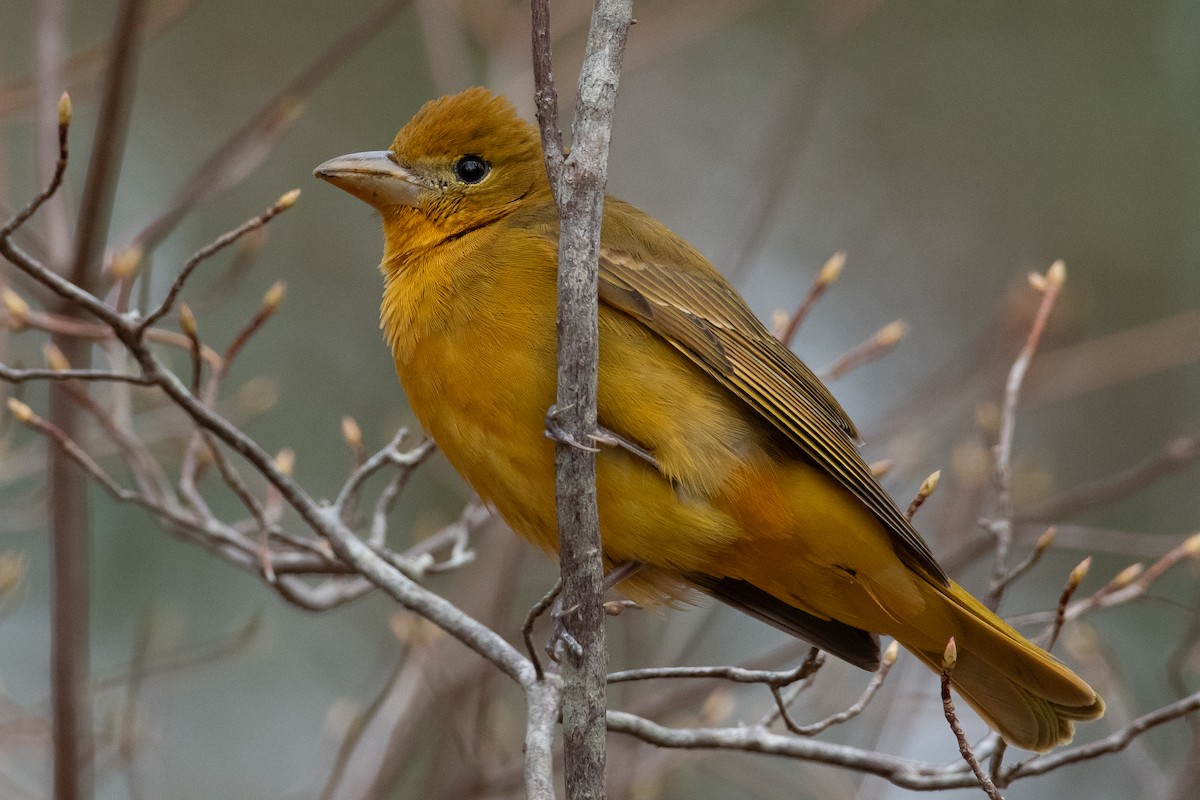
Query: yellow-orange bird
{"points": [[752, 490]]}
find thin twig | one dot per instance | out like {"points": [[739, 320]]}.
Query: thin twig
{"points": [[60, 168], [927, 488], [726, 673], [1060, 614], [70, 449], [266, 310], [1039, 549], [216, 245], [858, 706], [387, 498], [1001, 527], [879, 345], [825, 278], [536, 611], [964, 747], [11, 375], [69, 326]]}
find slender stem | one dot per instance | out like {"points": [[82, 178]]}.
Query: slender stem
{"points": [[68, 515], [579, 180]]}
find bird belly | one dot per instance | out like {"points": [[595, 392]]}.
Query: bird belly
{"points": [[482, 393]]}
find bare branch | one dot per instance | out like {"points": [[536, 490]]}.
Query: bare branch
{"points": [[221, 242], [828, 275], [1001, 527], [879, 345], [964, 747], [60, 169], [104, 376]]}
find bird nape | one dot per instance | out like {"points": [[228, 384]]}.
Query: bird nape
{"points": [[743, 478]]}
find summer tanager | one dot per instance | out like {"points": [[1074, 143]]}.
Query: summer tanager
{"points": [[748, 485]]}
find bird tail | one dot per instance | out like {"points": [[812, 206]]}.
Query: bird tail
{"points": [[1027, 695]]}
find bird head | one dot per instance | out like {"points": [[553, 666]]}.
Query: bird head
{"points": [[461, 162]]}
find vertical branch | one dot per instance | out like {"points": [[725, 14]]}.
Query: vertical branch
{"points": [[1001, 526], [67, 518], [579, 186]]}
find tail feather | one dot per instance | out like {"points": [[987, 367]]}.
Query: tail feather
{"points": [[1020, 690]]}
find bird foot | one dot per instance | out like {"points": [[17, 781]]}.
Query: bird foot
{"points": [[561, 637], [601, 435], [558, 433]]}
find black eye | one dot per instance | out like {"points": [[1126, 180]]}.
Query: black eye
{"points": [[471, 169]]}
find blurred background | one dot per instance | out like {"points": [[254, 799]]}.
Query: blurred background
{"points": [[948, 148]]}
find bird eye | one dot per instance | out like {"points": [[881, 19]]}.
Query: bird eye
{"points": [[471, 169]]}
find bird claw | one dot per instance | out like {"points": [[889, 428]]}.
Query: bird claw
{"points": [[556, 431], [561, 637], [606, 437], [601, 435]]}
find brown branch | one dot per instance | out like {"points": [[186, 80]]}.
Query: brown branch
{"points": [[1060, 613], [964, 747], [1001, 526], [68, 514], [879, 345], [72, 327], [927, 488], [825, 278], [60, 169], [221, 242], [270, 304]]}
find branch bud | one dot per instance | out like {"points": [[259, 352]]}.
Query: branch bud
{"points": [[187, 320], [891, 334], [18, 309], [891, 653], [351, 432], [22, 412], [125, 263], [832, 269], [930, 484], [12, 571], [274, 296], [64, 110], [1079, 573], [55, 358], [1046, 539], [1056, 276], [882, 467], [1191, 546], [287, 200], [285, 460], [1126, 576], [950, 656]]}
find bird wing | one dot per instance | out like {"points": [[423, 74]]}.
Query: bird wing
{"points": [[682, 298]]}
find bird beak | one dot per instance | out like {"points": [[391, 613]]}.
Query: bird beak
{"points": [[372, 177]]}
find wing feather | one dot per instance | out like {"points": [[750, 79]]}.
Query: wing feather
{"points": [[686, 302]]}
